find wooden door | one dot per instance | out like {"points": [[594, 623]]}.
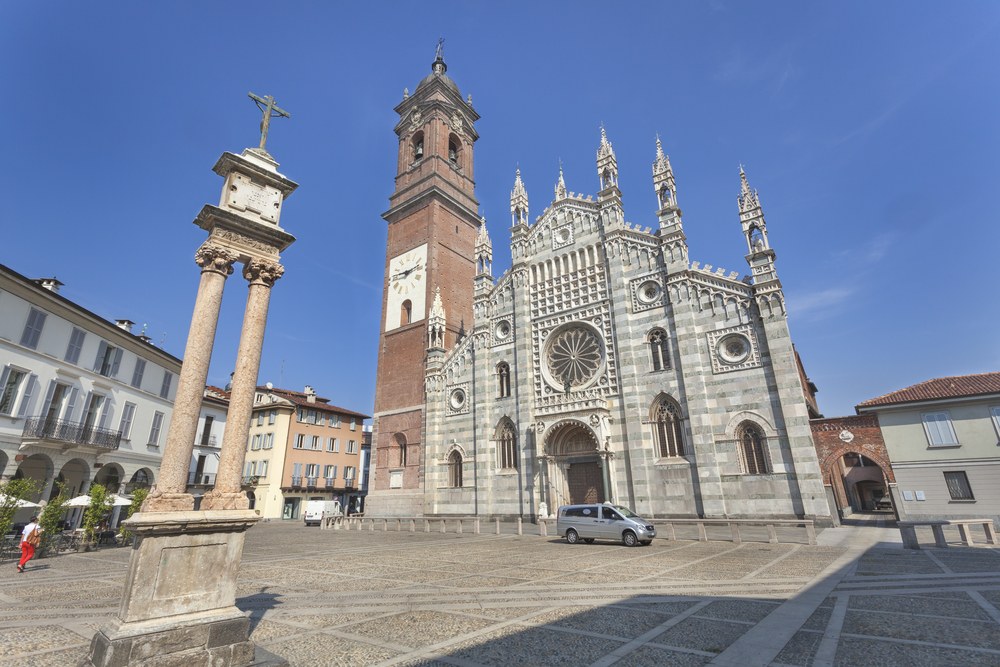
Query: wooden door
{"points": [[585, 483]]}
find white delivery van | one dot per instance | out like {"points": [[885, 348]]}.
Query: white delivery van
{"points": [[315, 509]]}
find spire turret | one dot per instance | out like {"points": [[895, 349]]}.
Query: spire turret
{"points": [[484, 250], [607, 163], [761, 256], [663, 179], [518, 201], [560, 185], [435, 322]]}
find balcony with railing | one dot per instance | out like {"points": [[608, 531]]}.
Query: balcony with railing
{"points": [[250, 480], [311, 482], [70, 434], [209, 441], [329, 482], [297, 481], [201, 479]]}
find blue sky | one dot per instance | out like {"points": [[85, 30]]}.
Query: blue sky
{"points": [[870, 130]]}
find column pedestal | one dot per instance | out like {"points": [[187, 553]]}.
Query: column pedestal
{"points": [[172, 612]]}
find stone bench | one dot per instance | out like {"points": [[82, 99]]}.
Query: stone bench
{"points": [[908, 530]]}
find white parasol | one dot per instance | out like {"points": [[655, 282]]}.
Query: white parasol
{"points": [[20, 503], [84, 501]]}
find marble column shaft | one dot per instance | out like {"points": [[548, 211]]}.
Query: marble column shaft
{"points": [[227, 493], [169, 494]]}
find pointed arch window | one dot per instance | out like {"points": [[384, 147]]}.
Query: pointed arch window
{"points": [[506, 446], [503, 379], [454, 149], [406, 312], [664, 196], [659, 350], [667, 430], [455, 470], [753, 449]]}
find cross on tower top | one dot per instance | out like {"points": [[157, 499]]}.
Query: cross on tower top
{"points": [[269, 108]]}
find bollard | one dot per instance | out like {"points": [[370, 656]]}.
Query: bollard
{"points": [[543, 528], [498, 525], [519, 531], [772, 535], [459, 531], [444, 526], [371, 526], [734, 528], [399, 525], [413, 526], [477, 525], [702, 533], [427, 525], [385, 525]]}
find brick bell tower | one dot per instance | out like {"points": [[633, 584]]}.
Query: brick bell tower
{"points": [[433, 223]]}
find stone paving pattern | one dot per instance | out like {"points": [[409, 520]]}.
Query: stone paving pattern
{"points": [[398, 598]]}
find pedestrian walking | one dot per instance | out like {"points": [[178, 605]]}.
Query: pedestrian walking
{"points": [[31, 537]]}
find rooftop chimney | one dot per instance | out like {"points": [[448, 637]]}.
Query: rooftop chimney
{"points": [[125, 325], [310, 393], [51, 284]]}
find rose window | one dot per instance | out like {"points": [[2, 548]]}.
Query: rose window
{"points": [[574, 356]]}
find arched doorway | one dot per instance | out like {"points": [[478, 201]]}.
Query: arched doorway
{"points": [[37, 467], [74, 475], [110, 476], [862, 484], [578, 471], [141, 479]]}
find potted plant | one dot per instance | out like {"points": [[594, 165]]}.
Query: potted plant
{"points": [[94, 515]]}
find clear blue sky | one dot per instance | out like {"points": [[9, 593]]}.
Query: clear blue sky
{"points": [[870, 129]]}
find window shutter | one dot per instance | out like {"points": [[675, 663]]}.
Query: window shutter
{"points": [[3, 381], [101, 351], [71, 405], [117, 362], [48, 399], [105, 414], [29, 391]]}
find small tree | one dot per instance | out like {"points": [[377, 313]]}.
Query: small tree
{"points": [[11, 492], [138, 497], [52, 517], [97, 510]]}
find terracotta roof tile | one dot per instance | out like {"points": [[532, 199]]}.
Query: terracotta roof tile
{"points": [[322, 404], [938, 388]]}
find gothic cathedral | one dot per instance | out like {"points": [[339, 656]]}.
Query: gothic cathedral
{"points": [[603, 366]]}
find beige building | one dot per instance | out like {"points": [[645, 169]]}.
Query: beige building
{"points": [[301, 448], [943, 439]]}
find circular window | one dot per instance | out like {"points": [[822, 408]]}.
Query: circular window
{"points": [[457, 399], [502, 330], [649, 292], [734, 348], [563, 235], [574, 356]]}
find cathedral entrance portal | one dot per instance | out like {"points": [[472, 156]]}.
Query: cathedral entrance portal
{"points": [[577, 469], [585, 484]]}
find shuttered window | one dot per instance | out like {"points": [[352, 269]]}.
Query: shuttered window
{"points": [[939, 429], [168, 379], [137, 373], [75, 345], [33, 328], [154, 431]]}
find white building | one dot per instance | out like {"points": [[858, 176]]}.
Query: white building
{"points": [[82, 399], [211, 428]]}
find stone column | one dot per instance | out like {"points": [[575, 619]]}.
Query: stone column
{"points": [[169, 492], [227, 493]]}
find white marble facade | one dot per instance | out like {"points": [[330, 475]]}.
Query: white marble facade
{"points": [[605, 365]]}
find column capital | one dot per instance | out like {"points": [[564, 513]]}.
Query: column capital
{"points": [[215, 258], [262, 272]]}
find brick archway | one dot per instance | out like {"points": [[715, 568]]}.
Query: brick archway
{"points": [[858, 435]]}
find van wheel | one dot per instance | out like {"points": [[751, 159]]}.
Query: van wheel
{"points": [[629, 539], [572, 537], [588, 540]]}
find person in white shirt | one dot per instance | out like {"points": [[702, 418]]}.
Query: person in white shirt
{"points": [[27, 542]]}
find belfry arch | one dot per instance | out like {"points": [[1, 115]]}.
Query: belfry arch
{"points": [[576, 469]]}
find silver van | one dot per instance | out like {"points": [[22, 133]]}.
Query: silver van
{"points": [[603, 522]]}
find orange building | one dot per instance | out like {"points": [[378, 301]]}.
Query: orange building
{"points": [[301, 448]]}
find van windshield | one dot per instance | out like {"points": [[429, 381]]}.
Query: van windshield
{"points": [[626, 512]]}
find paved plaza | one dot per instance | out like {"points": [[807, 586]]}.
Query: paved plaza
{"points": [[332, 597]]}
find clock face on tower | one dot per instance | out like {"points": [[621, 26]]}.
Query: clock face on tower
{"points": [[407, 293]]}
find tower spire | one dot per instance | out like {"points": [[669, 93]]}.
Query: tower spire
{"points": [[607, 164], [761, 256], [484, 250], [663, 180], [518, 201], [560, 184], [439, 66]]}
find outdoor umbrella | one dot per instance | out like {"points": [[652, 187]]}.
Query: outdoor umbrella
{"points": [[84, 501], [21, 503]]}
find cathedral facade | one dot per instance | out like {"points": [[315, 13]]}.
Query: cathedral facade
{"points": [[605, 365]]}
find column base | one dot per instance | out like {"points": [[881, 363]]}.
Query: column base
{"points": [[178, 607], [225, 500], [164, 501]]}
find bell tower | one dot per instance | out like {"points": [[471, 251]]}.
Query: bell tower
{"points": [[433, 222]]}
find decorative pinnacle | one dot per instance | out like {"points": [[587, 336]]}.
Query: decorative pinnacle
{"points": [[748, 198], [605, 149], [560, 184], [437, 308], [662, 163], [659, 148], [483, 239]]}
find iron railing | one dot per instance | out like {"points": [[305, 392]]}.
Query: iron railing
{"points": [[329, 482], [250, 480], [297, 481], [311, 481], [75, 433]]}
